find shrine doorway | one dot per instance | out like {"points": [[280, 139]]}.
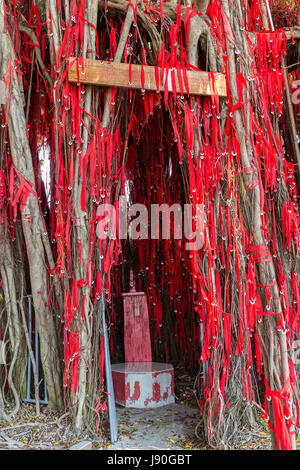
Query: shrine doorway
{"points": [[161, 267]]}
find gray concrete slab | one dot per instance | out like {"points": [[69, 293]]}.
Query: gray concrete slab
{"points": [[155, 429]]}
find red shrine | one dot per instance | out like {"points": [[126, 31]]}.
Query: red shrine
{"points": [[139, 382]]}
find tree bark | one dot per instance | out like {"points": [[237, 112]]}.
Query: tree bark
{"points": [[31, 224]]}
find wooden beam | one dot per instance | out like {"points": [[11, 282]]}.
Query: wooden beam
{"points": [[111, 74]]}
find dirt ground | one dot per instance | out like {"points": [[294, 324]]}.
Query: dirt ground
{"points": [[167, 428]]}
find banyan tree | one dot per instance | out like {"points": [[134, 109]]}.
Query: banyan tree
{"points": [[229, 310]]}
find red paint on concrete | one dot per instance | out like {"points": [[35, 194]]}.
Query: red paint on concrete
{"points": [[127, 392], [119, 387], [156, 392], [156, 396], [133, 382], [136, 393], [156, 374]]}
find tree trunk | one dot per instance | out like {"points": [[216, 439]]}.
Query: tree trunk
{"points": [[31, 224]]}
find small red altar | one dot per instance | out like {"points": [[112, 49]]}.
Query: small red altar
{"points": [[139, 382]]}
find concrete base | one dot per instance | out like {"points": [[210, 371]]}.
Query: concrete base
{"points": [[143, 384], [83, 445]]}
